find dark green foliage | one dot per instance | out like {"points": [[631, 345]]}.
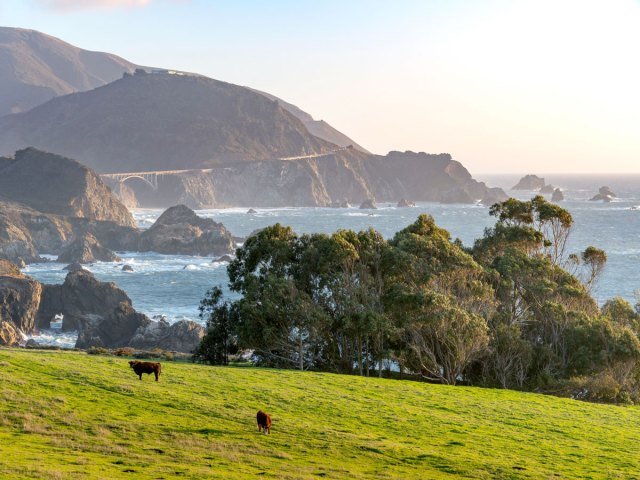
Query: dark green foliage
{"points": [[506, 313], [218, 343]]}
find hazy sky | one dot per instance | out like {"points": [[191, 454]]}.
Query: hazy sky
{"points": [[536, 86]]}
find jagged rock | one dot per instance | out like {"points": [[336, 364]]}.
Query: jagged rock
{"points": [[368, 204], [405, 203], [529, 182], [182, 336], [547, 189], [604, 194], [53, 184], [180, 231], [87, 249], [10, 335], [557, 195], [31, 343], [223, 258], [74, 267], [25, 232], [339, 204], [19, 298], [251, 211], [127, 268], [111, 331], [606, 191], [80, 298]]}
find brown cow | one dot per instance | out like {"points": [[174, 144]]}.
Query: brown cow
{"points": [[145, 367], [264, 422]]}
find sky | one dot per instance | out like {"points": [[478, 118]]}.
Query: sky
{"points": [[504, 86]]}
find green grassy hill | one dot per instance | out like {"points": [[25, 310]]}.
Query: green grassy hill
{"points": [[72, 415]]}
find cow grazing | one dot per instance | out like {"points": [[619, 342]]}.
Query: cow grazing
{"points": [[264, 422], [145, 367]]}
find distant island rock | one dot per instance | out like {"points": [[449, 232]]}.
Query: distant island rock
{"points": [[604, 194], [404, 203], [529, 182], [180, 231], [557, 195], [368, 204], [547, 189]]}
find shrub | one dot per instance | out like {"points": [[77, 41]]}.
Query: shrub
{"points": [[97, 351]]}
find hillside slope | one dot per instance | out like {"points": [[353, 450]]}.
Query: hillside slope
{"points": [[35, 67], [71, 415], [161, 122], [318, 128]]}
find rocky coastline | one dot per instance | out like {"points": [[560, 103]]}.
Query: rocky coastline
{"points": [[101, 312]]}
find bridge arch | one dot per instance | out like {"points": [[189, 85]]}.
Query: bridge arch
{"points": [[153, 183]]}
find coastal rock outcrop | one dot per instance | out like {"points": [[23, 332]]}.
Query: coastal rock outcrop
{"points": [[82, 299], [182, 336], [26, 233], [19, 299], [100, 312], [114, 330], [368, 204], [547, 189], [557, 195], [403, 203], [10, 335], [529, 182], [180, 231], [87, 249], [54, 184], [604, 194]]}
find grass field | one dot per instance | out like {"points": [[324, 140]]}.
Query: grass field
{"points": [[67, 415]]}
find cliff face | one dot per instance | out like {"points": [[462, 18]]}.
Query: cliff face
{"points": [[347, 175], [19, 302], [50, 183]]}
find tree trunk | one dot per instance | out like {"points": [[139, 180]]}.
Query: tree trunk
{"points": [[360, 355], [301, 352]]}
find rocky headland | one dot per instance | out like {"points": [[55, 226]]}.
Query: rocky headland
{"points": [[83, 221], [101, 313]]}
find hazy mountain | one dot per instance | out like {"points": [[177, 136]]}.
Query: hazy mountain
{"points": [[35, 68], [161, 121]]}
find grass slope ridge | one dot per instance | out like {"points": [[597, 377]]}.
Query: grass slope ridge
{"points": [[70, 415]]}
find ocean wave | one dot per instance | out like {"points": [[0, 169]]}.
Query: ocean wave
{"points": [[55, 338]]}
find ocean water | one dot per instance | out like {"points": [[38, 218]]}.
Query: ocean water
{"points": [[173, 285]]}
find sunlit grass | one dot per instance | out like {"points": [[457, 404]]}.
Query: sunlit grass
{"points": [[72, 415]]}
